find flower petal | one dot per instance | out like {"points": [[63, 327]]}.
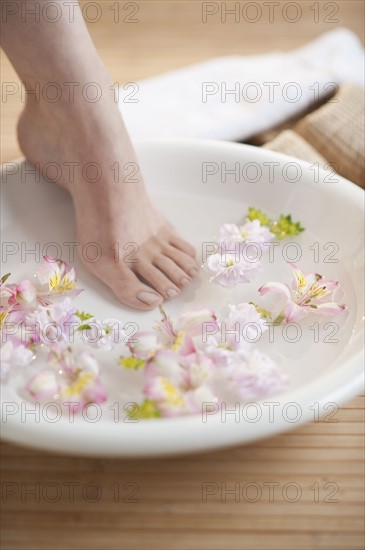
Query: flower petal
{"points": [[43, 386], [331, 309], [275, 288], [294, 313]]}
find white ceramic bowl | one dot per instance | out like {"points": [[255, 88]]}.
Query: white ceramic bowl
{"points": [[199, 185]]}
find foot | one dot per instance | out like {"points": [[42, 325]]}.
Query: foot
{"points": [[143, 260]]}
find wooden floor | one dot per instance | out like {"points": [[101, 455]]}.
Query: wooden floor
{"points": [[322, 462]]}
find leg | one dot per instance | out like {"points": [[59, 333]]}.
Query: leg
{"points": [[75, 130]]}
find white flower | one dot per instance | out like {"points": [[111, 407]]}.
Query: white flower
{"points": [[13, 356], [230, 269], [104, 334], [250, 232]]}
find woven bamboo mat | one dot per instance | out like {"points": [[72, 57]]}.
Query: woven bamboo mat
{"points": [[302, 490]]}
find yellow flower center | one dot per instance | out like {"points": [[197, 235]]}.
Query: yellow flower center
{"points": [[79, 385], [230, 263], [66, 284], [54, 281], [178, 341], [3, 316], [173, 396]]}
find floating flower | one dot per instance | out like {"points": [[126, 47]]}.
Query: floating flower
{"points": [[43, 386], [257, 377], [4, 289], [58, 277], [13, 356], [178, 385], [229, 270], [281, 228], [83, 388], [53, 323], [251, 324], [250, 232], [143, 344], [311, 293], [104, 334], [179, 335], [24, 293], [75, 382], [72, 363], [189, 324]]}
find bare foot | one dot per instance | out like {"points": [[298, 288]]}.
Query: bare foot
{"points": [[144, 261]]}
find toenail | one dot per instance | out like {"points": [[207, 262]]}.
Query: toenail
{"points": [[172, 292], [184, 281], [193, 272], [148, 297]]}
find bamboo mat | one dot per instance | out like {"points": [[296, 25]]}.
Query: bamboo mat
{"points": [[322, 462], [302, 490]]}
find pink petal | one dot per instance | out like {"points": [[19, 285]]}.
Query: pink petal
{"points": [[43, 386], [294, 313], [276, 288], [331, 309], [144, 343]]}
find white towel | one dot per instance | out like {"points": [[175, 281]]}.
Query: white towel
{"points": [[194, 102]]}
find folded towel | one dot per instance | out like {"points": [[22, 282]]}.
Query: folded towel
{"points": [[292, 144], [195, 102], [333, 135], [337, 132]]}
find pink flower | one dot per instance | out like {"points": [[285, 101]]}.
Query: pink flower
{"points": [[311, 293], [53, 323], [229, 270], [76, 381], [257, 377], [59, 278], [83, 387], [43, 386], [71, 362], [179, 335], [178, 385], [24, 293], [223, 350]]}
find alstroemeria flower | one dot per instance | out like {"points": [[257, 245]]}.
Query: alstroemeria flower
{"points": [[71, 362], [24, 293], [311, 293], [83, 387], [4, 289], [250, 232], [228, 270], [76, 380], [13, 356], [179, 335], [178, 385], [58, 277]]}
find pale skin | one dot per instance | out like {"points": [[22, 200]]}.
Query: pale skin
{"points": [[78, 131]]}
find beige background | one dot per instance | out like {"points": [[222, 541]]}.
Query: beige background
{"points": [[170, 512]]}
